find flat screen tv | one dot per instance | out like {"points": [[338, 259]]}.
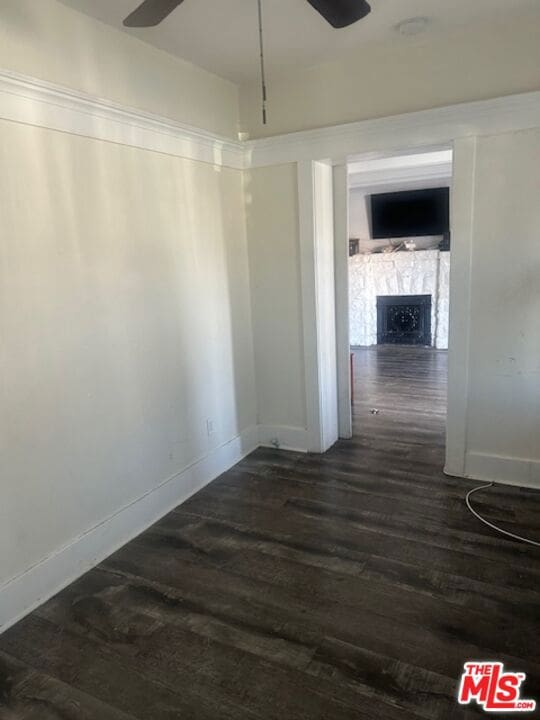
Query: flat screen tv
{"points": [[412, 213]]}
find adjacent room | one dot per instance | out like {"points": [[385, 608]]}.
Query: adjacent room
{"points": [[269, 359], [399, 294]]}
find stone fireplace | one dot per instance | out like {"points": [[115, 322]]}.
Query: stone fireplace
{"points": [[401, 276]]}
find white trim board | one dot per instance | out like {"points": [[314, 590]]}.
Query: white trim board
{"points": [[462, 221], [437, 126], [20, 595], [341, 272], [522, 472], [40, 103], [283, 437], [36, 102], [317, 279]]}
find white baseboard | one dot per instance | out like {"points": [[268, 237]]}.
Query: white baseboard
{"points": [[524, 472], [22, 594], [36, 585], [283, 437]]}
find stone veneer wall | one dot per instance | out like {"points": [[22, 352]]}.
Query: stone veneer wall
{"points": [[420, 272]]}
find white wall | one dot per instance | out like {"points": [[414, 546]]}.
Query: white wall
{"points": [[496, 368], [47, 40], [359, 226], [503, 419], [432, 70], [125, 324], [271, 196], [125, 314]]}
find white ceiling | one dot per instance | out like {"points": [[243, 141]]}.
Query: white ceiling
{"points": [[221, 35], [425, 169]]}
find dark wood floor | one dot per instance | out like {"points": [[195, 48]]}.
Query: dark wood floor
{"points": [[352, 585]]}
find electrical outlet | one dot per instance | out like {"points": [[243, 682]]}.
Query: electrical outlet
{"points": [[210, 427]]}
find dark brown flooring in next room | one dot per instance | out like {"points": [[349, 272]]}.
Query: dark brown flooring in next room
{"points": [[347, 586]]}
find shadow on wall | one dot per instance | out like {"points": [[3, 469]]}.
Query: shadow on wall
{"points": [[238, 312]]}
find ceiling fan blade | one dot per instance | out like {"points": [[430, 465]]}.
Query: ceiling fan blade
{"points": [[151, 13], [341, 13]]}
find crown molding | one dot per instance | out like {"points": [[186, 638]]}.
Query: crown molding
{"points": [[435, 127], [36, 102], [40, 103]]}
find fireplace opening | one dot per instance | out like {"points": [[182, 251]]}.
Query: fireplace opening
{"points": [[404, 319]]}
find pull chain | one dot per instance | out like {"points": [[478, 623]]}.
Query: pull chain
{"points": [[263, 73]]}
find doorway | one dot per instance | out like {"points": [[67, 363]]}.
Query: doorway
{"points": [[398, 278]]}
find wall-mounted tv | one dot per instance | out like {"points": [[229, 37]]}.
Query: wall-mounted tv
{"points": [[411, 213]]}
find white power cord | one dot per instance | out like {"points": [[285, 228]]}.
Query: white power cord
{"points": [[491, 525]]}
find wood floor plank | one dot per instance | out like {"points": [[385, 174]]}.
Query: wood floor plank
{"points": [[31, 695], [357, 544], [348, 586], [424, 627]]}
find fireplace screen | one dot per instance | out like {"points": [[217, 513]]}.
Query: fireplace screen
{"points": [[404, 319]]}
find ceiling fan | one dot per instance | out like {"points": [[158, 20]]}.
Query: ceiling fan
{"points": [[339, 13]]}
